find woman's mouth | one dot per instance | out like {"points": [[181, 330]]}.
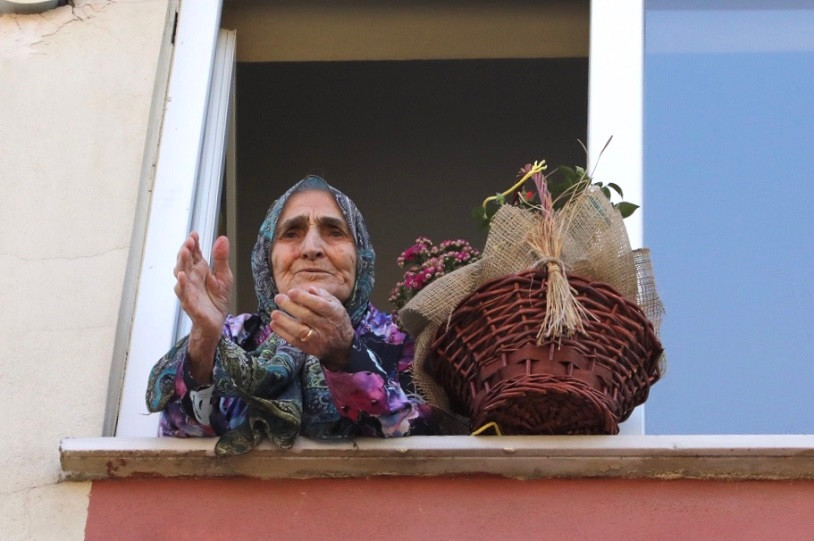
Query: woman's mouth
{"points": [[312, 271]]}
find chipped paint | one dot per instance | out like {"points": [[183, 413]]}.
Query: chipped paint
{"points": [[19, 33], [114, 465]]}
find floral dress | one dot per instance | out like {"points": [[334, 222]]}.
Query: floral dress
{"points": [[373, 396]]}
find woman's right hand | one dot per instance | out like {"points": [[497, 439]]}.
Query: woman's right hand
{"points": [[204, 295]]}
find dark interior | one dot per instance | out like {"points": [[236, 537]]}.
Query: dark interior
{"points": [[416, 144]]}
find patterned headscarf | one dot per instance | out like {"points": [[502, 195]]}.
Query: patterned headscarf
{"points": [[264, 284]]}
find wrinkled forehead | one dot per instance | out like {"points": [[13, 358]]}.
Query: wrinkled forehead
{"points": [[311, 207]]}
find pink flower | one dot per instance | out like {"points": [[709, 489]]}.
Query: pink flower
{"points": [[428, 262], [410, 252]]}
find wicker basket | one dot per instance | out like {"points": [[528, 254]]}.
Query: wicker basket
{"points": [[488, 361]]}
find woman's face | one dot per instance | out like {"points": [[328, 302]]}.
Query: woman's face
{"points": [[313, 246]]}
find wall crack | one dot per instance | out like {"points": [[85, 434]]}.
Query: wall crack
{"points": [[64, 258], [19, 33], [28, 488]]}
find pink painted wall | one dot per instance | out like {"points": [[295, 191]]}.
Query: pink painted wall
{"points": [[449, 508]]}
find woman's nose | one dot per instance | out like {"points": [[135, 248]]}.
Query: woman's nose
{"points": [[312, 245]]}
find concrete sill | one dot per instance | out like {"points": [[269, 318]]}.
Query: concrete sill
{"points": [[659, 457]]}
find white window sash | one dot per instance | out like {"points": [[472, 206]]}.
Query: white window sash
{"points": [[173, 196], [209, 188]]}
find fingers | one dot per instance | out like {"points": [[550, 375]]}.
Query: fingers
{"points": [[188, 255], [293, 309], [305, 304], [184, 294], [290, 329], [182, 259], [203, 295], [200, 281], [220, 259], [195, 248], [315, 322]]}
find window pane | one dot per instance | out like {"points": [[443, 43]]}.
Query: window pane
{"points": [[728, 161]]}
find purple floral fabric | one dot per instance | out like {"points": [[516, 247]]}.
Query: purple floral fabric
{"points": [[375, 396]]}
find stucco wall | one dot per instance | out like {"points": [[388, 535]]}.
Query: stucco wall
{"points": [[75, 91]]}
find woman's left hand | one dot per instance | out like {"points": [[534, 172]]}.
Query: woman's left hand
{"points": [[314, 321]]}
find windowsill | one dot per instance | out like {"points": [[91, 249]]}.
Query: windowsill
{"points": [[529, 457]]}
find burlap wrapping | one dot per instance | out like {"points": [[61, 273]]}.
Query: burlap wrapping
{"points": [[596, 246]]}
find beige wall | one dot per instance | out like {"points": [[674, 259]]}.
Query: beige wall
{"points": [[76, 86]]}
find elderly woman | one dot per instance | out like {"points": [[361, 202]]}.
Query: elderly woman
{"points": [[316, 359]]}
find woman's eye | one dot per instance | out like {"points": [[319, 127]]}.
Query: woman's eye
{"points": [[290, 234], [334, 232]]}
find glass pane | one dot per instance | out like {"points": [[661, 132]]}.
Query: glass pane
{"points": [[729, 104]]}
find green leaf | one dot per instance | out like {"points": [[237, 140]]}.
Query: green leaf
{"points": [[626, 209], [500, 198], [481, 217], [606, 191], [567, 171], [558, 184], [616, 188], [568, 175]]}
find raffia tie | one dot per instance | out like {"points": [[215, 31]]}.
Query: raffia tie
{"points": [[546, 260], [564, 314]]}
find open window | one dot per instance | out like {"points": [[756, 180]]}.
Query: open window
{"points": [[418, 112]]}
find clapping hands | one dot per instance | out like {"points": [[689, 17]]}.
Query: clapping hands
{"points": [[204, 295]]}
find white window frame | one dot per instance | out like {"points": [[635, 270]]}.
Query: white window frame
{"points": [[190, 163], [190, 167]]}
